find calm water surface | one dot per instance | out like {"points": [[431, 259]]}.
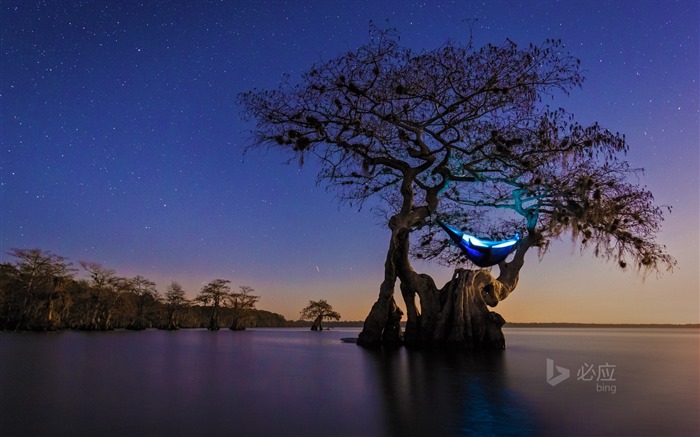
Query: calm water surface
{"points": [[297, 382]]}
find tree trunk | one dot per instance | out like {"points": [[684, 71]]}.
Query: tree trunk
{"points": [[317, 323], [456, 315], [107, 322], [94, 320], [140, 322], [22, 323], [173, 324], [214, 319], [237, 322], [382, 325]]}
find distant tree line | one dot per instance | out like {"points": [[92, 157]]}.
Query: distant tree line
{"points": [[39, 292]]}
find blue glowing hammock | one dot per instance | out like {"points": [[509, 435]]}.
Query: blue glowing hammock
{"points": [[483, 253]]}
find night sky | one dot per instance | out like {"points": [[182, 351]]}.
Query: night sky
{"points": [[122, 143]]}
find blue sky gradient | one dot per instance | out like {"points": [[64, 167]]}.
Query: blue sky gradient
{"points": [[121, 143]]}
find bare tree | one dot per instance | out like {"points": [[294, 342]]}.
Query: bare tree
{"points": [[174, 300], [241, 303], [460, 134], [145, 292], [104, 294], [318, 311], [42, 276], [215, 293]]}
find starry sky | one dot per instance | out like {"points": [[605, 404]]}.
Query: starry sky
{"points": [[121, 143]]}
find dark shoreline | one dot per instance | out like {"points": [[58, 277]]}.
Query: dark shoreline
{"points": [[358, 324], [601, 325], [546, 325]]}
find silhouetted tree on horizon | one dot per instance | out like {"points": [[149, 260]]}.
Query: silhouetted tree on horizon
{"points": [[145, 291], [175, 300], [318, 311], [39, 278], [241, 302], [216, 294], [104, 294]]}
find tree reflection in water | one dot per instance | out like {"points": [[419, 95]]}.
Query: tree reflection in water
{"points": [[446, 393]]}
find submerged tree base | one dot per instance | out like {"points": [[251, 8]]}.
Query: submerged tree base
{"points": [[317, 323], [456, 316], [382, 326]]}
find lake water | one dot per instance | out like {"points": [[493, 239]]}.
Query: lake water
{"points": [[297, 382]]}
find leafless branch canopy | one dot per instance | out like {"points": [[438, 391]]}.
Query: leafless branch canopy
{"points": [[463, 134]]}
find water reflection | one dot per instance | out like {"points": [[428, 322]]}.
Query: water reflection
{"points": [[299, 383], [449, 393]]}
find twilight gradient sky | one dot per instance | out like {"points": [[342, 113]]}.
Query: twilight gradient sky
{"points": [[121, 143]]}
